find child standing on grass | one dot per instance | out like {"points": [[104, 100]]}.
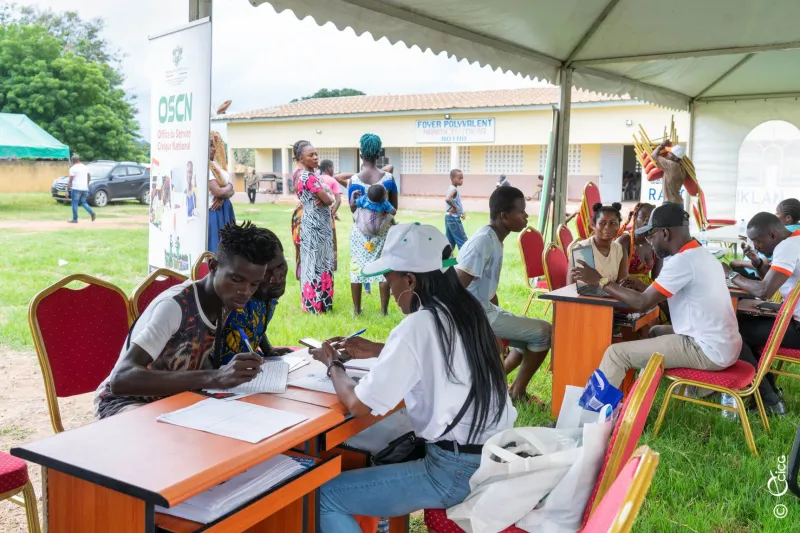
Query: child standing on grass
{"points": [[454, 229]]}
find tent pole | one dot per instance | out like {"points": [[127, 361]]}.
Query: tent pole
{"points": [[687, 200], [562, 151]]}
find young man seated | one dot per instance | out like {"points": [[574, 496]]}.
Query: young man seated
{"points": [[704, 334], [254, 319], [479, 265], [170, 348], [771, 238]]}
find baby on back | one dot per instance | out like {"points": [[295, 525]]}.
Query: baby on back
{"points": [[375, 213]]}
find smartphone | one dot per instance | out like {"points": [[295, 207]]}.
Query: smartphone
{"points": [[769, 306], [311, 342]]}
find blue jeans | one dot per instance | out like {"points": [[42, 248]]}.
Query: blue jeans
{"points": [[439, 481], [80, 197], [454, 231]]}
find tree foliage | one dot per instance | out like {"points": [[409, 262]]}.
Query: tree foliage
{"points": [[245, 156], [331, 93], [58, 70]]}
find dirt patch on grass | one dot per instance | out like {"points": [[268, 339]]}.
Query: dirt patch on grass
{"points": [[36, 226], [24, 418]]}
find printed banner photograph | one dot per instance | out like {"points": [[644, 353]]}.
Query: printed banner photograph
{"points": [[180, 114]]}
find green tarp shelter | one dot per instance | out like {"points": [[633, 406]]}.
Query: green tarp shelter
{"points": [[21, 138]]}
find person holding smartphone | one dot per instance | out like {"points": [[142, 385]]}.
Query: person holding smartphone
{"points": [[442, 361], [771, 238]]}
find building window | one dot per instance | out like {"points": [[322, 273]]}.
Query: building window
{"points": [[543, 159], [574, 162], [411, 160], [441, 160], [330, 153], [504, 159], [463, 159]]}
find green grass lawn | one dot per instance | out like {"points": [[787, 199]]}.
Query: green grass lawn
{"points": [[707, 480]]}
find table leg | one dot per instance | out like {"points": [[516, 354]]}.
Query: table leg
{"points": [[78, 506], [581, 334]]}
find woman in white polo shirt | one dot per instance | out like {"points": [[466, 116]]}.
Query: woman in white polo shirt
{"points": [[442, 360]]}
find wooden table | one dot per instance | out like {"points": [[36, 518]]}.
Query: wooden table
{"points": [[582, 331], [108, 476]]}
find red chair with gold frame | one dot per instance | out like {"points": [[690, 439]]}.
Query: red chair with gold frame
{"points": [[617, 511], [200, 267], [153, 285], [15, 482], [740, 380], [621, 446], [565, 237], [531, 247], [77, 350], [786, 355]]}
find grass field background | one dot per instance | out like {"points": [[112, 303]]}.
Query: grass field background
{"points": [[707, 480]]}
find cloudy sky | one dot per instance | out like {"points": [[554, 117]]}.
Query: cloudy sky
{"points": [[262, 58]]}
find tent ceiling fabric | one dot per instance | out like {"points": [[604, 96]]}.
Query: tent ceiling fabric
{"points": [[536, 37]]}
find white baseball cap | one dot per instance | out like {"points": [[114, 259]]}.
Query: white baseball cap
{"points": [[411, 248], [678, 151]]}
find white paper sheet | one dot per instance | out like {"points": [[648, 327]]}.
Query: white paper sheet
{"points": [[294, 361], [319, 381], [272, 377], [237, 420], [361, 364]]}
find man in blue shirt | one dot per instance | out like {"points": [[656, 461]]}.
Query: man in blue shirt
{"points": [[257, 314]]}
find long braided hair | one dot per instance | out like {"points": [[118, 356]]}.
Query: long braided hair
{"points": [[632, 221]]}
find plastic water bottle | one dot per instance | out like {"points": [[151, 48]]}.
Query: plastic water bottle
{"points": [[742, 227], [729, 401], [383, 525], [703, 240]]}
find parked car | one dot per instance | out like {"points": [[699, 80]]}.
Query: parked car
{"points": [[110, 181]]}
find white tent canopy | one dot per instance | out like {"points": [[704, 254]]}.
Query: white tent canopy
{"points": [[666, 53], [675, 54]]}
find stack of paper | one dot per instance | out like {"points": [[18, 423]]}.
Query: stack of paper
{"points": [[272, 377], [295, 361], [318, 380], [224, 498], [237, 420]]}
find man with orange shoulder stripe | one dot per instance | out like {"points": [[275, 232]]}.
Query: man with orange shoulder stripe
{"points": [[771, 238], [704, 333]]}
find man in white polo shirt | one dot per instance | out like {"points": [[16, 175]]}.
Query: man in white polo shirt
{"points": [[704, 334], [770, 238], [78, 188]]}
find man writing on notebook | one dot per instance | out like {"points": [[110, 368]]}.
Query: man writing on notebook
{"points": [[254, 319], [171, 347], [704, 334]]}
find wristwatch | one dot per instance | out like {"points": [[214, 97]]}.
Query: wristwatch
{"points": [[604, 282], [732, 275]]}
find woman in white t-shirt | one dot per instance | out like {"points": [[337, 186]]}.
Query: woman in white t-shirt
{"points": [[610, 258], [442, 361]]}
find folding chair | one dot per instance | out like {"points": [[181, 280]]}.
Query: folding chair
{"points": [[565, 237], [786, 355], [531, 246], [200, 267], [623, 442], [153, 285], [740, 380], [77, 350], [14, 482], [617, 511]]}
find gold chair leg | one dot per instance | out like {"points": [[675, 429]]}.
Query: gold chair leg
{"points": [[528, 303], [748, 433], [762, 412], [664, 404], [31, 511], [547, 307]]}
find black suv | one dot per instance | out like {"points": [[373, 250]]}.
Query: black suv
{"points": [[110, 181]]}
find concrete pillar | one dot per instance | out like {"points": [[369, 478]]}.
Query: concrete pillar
{"points": [[286, 169], [454, 162]]}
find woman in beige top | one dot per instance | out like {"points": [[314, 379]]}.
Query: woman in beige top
{"points": [[610, 258]]}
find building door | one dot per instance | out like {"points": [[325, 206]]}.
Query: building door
{"points": [[610, 173]]}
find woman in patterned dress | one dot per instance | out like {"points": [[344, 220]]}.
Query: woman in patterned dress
{"points": [[364, 248], [316, 233]]}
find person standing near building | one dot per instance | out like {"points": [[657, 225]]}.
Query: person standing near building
{"points": [[251, 184], [454, 229], [673, 171], [78, 188], [326, 173]]}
